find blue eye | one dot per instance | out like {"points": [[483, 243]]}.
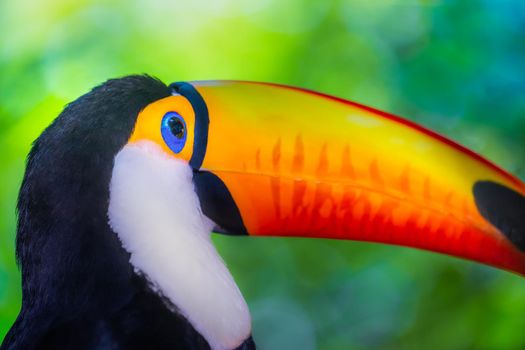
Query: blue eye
{"points": [[173, 130]]}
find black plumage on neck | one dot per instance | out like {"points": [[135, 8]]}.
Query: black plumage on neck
{"points": [[79, 290]]}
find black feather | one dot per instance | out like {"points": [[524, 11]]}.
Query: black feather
{"points": [[79, 290]]}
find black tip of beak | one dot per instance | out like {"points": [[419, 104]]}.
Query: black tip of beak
{"points": [[504, 208], [218, 204]]}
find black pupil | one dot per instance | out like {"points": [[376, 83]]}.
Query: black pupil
{"points": [[176, 127]]}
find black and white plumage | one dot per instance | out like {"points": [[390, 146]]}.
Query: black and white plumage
{"points": [[79, 289], [122, 191]]}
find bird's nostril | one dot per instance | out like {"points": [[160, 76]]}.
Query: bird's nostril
{"points": [[504, 208]]}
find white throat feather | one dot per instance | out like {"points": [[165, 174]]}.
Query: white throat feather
{"points": [[156, 214]]}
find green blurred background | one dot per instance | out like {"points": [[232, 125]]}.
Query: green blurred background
{"points": [[454, 66]]}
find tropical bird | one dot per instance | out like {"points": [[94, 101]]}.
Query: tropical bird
{"points": [[123, 189]]}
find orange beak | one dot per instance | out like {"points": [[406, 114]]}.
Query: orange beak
{"points": [[280, 161]]}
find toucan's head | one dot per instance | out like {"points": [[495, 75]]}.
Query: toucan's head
{"points": [[174, 163]]}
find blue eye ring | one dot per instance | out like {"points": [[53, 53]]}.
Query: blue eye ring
{"points": [[174, 131]]}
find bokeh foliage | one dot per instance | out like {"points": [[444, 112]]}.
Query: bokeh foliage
{"points": [[454, 66]]}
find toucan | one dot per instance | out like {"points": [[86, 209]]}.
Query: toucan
{"points": [[123, 190]]}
